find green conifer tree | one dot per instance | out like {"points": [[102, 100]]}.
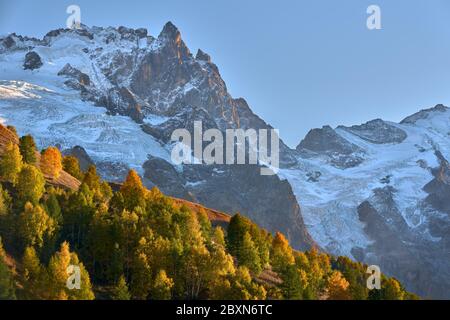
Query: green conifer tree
{"points": [[27, 148]]}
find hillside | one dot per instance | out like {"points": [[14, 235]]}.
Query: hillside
{"points": [[64, 179]]}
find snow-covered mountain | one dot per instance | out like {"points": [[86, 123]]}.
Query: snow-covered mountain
{"points": [[380, 192], [377, 192]]}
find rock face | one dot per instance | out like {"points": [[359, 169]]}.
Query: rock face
{"points": [[424, 114], [439, 199], [81, 78], [378, 131], [32, 61], [396, 247], [326, 142]]}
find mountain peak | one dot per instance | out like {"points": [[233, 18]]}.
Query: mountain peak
{"points": [[170, 31], [423, 114], [202, 56]]}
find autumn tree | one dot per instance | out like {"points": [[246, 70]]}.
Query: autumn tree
{"points": [[355, 274], [5, 201], [222, 262], [162, 286], [91, 178], [205, 224], [243, 288], [120, 291], [391, 290], [248, 255], [195, 257], [51, 164], [133, 191], [34, 275], [54, 209], [62, 271], [27, 148], [10, 163], [141, 277], [294, 282], [71, 166], [317, 266], [7, 219], [338, 287], [282, 254], [237, 228], [34, 225], [7, 286], [30, 185]]}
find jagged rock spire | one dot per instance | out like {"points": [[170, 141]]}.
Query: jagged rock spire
{"points": [[171, 32]]}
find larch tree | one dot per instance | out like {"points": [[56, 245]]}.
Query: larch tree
{"points": [[51, 162], [237, 228], [72, 167], [64, 271], [133, 191], [141, 277], [5, 202], [294, 282], [30, 185], [7, 286], [34, 275], [54, 209], [120, 291], [91, 178], [248, 255], [338, 287], [162, 286], [27, 148], [7, 219], [282, 254], [34, 225], [391, 290], [10, 163], [222, 262]]}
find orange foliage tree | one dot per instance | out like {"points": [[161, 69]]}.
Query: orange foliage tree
{"points": [[51, 162]]}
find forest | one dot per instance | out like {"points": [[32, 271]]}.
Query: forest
{"points": [[128, 242]]}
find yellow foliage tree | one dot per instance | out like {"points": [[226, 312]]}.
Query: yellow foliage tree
{"points": [[10, 163], [282, 254], [133, 191], [34, 225], [64, 266], [34, 275], [337, 288], [162, 286]]}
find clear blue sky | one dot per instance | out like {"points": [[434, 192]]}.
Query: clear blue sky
{"points": [[299, 64]]}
